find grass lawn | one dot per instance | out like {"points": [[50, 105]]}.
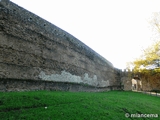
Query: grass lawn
{"points": [[53, 105]]}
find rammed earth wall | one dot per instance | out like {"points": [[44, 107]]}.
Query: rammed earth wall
{"points": [[33, 49]]}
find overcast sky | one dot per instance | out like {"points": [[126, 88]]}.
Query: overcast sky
{"points": [[116, 29]]}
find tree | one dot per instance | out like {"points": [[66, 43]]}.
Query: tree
{"points": [[148, 64], [150, 58], [155, 21]]}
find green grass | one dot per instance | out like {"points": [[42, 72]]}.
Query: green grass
{"points": [[76, 105]]}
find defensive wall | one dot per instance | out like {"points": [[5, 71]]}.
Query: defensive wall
{"points": [[34, 52], [129, 78]]}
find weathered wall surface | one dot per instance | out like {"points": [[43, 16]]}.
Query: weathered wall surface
{"points": [[150, 83], [127, 83], [33, 49], [124, 79], [7, 85]]}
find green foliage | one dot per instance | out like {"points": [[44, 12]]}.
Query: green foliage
{"points": [[152, 53], [149, 57], [75, 105]]}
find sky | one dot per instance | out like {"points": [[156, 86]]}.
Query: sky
{"points": [[116, 29]]}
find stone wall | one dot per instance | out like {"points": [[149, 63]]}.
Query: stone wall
{"points": [[150, 83], [7, 85], [123, 79], [33, 49]]}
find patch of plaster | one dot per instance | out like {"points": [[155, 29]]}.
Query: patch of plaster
{"points": [[68, 77], [63, 77]]}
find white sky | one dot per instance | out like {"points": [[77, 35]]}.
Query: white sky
{"points": [[116, 29]]}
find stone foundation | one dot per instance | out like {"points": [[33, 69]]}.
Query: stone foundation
{"points": [[7, 85]]}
